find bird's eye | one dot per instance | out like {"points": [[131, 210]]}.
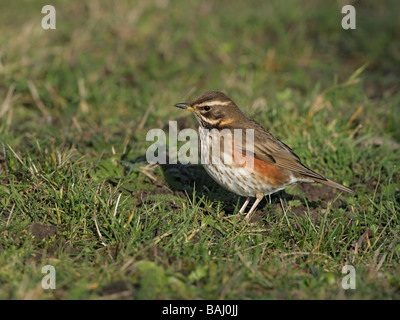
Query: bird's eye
{"points": [[206, 108]]}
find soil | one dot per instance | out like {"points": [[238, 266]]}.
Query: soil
{"points": [[42, 231], [315, 192]]}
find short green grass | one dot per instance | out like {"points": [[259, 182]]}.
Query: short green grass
{"points": [[76, 193]]}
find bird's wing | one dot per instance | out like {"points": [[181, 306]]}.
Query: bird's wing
{"points": [[271, 150]]}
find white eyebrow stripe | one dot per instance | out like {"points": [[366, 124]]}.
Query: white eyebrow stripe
{"points": [[213, 103]]}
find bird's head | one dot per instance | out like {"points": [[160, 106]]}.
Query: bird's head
{"points": [[213, 109]]}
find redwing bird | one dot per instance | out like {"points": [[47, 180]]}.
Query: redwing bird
{"points": [[274, 165]]}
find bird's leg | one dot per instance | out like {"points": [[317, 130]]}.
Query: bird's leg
{"points": [[259, 197], [244, 205]]}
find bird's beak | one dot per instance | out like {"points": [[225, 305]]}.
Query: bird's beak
{"points": [[184, 105]]}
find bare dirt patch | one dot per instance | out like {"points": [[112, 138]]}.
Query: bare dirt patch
{"points": [[42, 231], [45, 232]]}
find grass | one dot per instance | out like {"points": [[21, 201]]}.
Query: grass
{"points": [[76, 193]]}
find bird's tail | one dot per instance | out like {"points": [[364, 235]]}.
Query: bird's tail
{"points": [[334, 184]]}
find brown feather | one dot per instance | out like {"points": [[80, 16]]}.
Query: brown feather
{"points": [[271, 150], [267, 148]]}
